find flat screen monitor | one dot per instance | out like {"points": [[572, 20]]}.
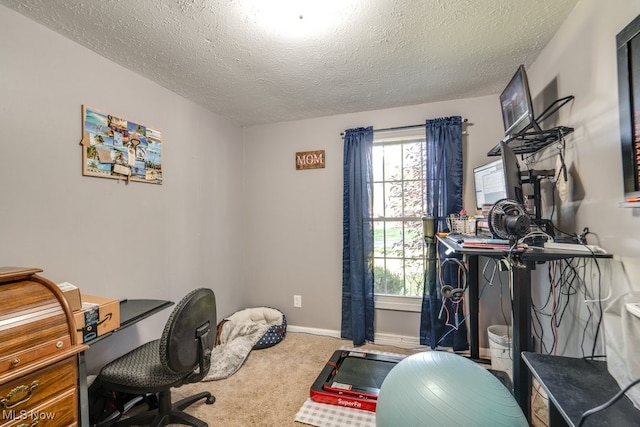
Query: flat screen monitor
{"points": [[515, 102], [512, 177], [489, 183], [628, 50]]}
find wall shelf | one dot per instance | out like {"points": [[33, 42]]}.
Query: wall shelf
{"points": [[534, 138], [532, 141]]}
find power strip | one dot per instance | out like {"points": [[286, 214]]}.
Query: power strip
{"points": [[633, 308], [574, 247]]}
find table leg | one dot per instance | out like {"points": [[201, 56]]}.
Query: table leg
{"points": [[555, 417], [83, 390], [474, 307], [521, 279]]}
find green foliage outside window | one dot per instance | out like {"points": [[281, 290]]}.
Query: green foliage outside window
{"points": [[398, 206]]}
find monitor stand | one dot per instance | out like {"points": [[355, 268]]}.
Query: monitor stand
{"points": [[533, 177]]}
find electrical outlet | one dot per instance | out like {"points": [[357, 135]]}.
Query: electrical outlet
{"points": [[297, 300]]}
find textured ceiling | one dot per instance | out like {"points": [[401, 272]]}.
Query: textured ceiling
{"points": [[254, 64]]}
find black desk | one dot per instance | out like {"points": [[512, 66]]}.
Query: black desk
{"points": [[523, 262], [134, 310], [577, 385], [131, 312]]}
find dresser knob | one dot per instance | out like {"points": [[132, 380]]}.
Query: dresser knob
{"points": [[59, 344], [15, 362]]}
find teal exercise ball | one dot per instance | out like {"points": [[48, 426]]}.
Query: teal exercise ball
{"points": [[437, 388]]}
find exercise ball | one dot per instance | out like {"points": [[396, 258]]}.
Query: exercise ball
{"points": [[436, 388]]}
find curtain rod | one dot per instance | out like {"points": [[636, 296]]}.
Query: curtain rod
{"points": [[402, 127]]}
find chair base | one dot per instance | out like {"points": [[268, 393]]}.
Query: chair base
{"points": [[168, 413]]}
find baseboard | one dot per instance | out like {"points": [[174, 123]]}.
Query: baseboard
{"points": [[401, 341], [314, 331], [381, 339]]}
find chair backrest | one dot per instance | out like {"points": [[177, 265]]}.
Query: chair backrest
{"points": [[190, 333]]}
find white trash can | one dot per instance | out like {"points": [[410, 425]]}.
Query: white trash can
{"points": [[500, 348]]}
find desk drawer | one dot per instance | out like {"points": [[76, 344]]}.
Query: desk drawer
{"points": [[58, 412], [31, 390]]}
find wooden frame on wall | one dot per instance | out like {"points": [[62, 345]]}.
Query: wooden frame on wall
{"points": [[310, 160], [116, 148], [628, 53]]}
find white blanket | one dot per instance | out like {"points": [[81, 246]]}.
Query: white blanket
{"points": [[238, 335]]}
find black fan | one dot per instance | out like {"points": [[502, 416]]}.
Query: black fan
{"points": [[508, 220]]}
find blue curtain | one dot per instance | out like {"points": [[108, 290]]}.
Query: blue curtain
{"points": [[443, 326], [357, 248]]}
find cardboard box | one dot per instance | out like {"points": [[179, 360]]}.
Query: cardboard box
{"points": [[98, 317], [72, 295]]}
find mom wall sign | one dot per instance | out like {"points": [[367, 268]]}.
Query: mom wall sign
{"points": [[310, 159]]}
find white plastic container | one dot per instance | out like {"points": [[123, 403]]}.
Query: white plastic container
{"points": [[500, 348]]}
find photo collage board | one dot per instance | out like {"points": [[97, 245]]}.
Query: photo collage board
{"points": [[113, 147]]}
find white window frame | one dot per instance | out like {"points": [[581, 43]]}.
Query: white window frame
{"points": [[398, 303]]}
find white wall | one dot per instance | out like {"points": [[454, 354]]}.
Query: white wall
{"points": [[581, 61], [294, 229], [111, 239]]}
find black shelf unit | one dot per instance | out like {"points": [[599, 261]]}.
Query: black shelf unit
{"points": [[533, 138]]}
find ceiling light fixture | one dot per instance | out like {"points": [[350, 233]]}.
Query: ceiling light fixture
{"points": [[296, 18]]}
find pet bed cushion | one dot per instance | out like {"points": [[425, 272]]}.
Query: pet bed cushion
{"points": [[274, 318]]}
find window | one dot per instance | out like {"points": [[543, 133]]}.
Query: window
{"points": [[399, 203]]}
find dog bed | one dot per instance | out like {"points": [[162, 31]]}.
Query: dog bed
{"points": [[276, 320]]}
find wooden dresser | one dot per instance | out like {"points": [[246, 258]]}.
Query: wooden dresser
{"points": [[38, 352]]}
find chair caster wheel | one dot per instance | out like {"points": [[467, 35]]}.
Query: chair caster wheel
{"points": [[210, 400]]}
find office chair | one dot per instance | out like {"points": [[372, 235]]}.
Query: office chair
{"points": [[181, 356]]}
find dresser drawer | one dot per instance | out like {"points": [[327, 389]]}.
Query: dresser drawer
{"points": [[60, 411], [23, 359], [31, 390]]}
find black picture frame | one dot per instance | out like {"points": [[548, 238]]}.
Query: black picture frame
{"points": [[628, 55]]}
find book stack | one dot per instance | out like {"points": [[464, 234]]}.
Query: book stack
{"points": [[482, 226], [484, 211], [486, 243]]}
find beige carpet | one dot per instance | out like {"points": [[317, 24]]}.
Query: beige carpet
{"points": [[272, 385]]}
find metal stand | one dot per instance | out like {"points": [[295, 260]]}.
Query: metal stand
{"points": [[534, 177], [532, 138]]}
